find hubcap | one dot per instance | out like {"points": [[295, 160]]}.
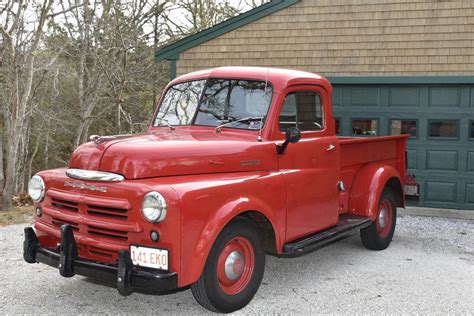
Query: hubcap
{"points": [[234, 265], [383, 217]]}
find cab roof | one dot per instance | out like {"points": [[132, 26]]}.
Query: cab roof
{"points": [[278, 77]]}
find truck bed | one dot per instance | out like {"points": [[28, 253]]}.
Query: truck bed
{"points": [[357, 152]]}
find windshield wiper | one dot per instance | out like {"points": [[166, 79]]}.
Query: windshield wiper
{"points": [[245, 119], [168, 124]]}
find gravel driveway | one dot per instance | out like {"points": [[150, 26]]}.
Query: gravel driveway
{"points": [[428, 268]]}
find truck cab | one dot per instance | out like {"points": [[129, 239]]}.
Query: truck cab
{"points": [[238, 162]]}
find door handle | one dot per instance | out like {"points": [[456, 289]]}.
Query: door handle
{"points": [[331, 147]]}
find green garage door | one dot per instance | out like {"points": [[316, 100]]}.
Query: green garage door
{"points": [[440, 118]]}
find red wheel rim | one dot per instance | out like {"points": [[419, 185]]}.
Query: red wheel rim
{"points": [[235, 265], [384, 218]]}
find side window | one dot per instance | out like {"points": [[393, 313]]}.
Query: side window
{"points": [[303, 110]]}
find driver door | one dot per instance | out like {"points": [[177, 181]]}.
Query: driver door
{"points": [[311, 166]]}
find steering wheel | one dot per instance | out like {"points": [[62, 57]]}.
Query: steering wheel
{"points": [[318, 125]]}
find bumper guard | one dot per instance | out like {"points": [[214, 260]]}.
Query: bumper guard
{"points": [[124, 276]]}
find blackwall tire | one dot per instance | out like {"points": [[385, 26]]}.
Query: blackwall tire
{"points": [[234, 269], [379, 234]]}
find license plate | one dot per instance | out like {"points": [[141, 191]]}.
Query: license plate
{"points": [[149, 257], [411, 190]]}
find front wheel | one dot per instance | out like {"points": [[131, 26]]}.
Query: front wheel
{"points": [[234, 269], [379, 234]]}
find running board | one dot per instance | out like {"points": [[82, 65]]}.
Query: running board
{"points": [[348, 224]]}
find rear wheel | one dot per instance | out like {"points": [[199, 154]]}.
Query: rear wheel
{"points": [[234, 269], [380, 233]]}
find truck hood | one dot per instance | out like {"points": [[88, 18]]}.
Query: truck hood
{"points": [[178, 152]]}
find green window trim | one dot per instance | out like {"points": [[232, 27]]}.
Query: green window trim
{"points": [[470, 130]]}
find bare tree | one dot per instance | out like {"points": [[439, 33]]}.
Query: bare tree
{"points": [[109, 33], [2, 177], [255, 3], [197, 15], [22, 51], [70, 68]]}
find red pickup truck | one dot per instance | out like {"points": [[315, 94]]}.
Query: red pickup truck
{"points": [[238, 162]]}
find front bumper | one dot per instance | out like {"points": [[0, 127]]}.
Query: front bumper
{"points": [[125, 276]]}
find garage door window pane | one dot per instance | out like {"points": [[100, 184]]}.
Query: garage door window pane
{"points": [[472, 129], [364, 127], [398, 127], [444, 128]]}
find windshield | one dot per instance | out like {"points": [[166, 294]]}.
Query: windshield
{"points": [[235, 103]]}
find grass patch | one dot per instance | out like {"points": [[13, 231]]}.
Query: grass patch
{"points": [[18, 215]]}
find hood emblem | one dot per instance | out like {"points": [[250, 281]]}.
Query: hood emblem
{"points": [[83, 186]]}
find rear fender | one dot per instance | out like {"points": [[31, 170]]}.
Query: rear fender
{"points": [[211, 231], [368, 186]]}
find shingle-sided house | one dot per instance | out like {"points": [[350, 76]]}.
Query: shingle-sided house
{"points": [[398, 66]]}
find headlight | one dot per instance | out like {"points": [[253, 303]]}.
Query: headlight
{"points": [[36, 188], [154, 207]]}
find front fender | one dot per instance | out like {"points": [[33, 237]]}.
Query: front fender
{"points": [[367, 188], [208, 206], [217, 223]]}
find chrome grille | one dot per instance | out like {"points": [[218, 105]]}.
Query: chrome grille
{"points": [[110, 212], [59, 222], [89, 215], [110, 233], [100, 252], [65, 205]]}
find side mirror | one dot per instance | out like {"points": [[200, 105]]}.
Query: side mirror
{"points": [[293, 135]]}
